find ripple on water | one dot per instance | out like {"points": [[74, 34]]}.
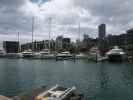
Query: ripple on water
{"points": [[98, 81]]}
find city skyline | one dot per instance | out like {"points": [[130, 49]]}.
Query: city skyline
{"points": [[66, 15]]}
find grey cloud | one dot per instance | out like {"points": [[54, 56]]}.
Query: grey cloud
{"points": [[12, 3], [112, 12], [117, 14], [15, 22], [12, 19]]}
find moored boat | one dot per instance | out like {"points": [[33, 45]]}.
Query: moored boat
{"points": [[2, 53], [64, 54], [94, 54], [13, 55], [58, 93], [116, 55], [81, 56], [28, 54], [46, 54], [54, 93]]}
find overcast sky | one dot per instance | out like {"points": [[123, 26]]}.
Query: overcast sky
{"points": [[16, 16]]}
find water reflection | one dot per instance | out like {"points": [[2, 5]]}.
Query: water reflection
{"points": [[104, 78], [10, 77], [16, 76], [27, 74], [98, 81]]}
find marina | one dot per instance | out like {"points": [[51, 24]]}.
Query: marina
{"points": [[116, 55], [66, 50]]}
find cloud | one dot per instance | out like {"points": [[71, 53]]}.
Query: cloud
{"points": [[16, 16], [117, 14]]}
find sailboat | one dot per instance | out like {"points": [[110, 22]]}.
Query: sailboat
{"points": [[45, 54], [29, 53], [2, 53]]}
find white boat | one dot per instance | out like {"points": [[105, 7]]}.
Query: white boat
{"points": [[56, 93], [81, 56], [13, 55], [2, 53], [28, 54], [94, 54], [64, 54], [116, 54], [9, 55], [45, 54]]}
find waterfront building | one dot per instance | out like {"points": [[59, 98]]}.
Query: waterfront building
{"points": [[62, 43], [58, 43], [88, 42], [78, 45], [114, 40], [39, 45], [46, 43], [101, 31], [129, 39], [121, 40], [52, 45], [66, 43], [130, 36], [26, 46], [101, 38], [85, 44], [11, 46]]}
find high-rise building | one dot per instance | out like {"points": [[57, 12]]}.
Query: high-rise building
{"points": [[102, 31], [101, 36]]}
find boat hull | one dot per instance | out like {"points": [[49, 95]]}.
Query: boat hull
{"points": [[12, 55], [116, 58], [27, 56], [47, 57]]}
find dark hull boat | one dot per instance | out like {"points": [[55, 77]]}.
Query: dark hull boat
{"points": [[115, 58]]}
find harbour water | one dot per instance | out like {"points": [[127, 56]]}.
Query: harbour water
{"points": [[97, 81]]}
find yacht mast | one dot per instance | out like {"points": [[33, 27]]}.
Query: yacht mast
{"points": [[18, 44], [32, 32], [50, 20], [79, 30]]}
